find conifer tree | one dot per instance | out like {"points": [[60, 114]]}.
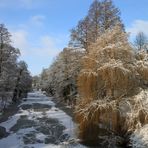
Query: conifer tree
{"points": [[101, 16]]}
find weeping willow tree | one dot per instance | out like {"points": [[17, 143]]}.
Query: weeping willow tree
{"points": [[108, 84]]}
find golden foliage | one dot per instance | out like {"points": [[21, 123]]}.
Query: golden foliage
{"points": [[107, 86], [91, 115], [142, 68]]}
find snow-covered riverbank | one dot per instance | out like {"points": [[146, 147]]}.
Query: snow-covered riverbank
{"points": [[39, 124]]}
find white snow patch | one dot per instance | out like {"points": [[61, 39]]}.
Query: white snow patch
{"points": [[40, 136], [38, 101], [64, 119], [139, 139], [11, 141], [10, 122]]}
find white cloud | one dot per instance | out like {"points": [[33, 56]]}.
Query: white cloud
{"points": [[48, 46], [42, 47], [19, 40], [137, 26], [37, 20]]}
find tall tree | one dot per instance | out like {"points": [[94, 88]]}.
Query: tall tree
{"points": [[94, 15], [4, 42], [80, 35], [15, 78], [109, 78], [101, 16], [110, 15], [8, 63], [23, 81]]}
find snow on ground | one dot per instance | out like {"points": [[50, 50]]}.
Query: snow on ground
{"points": [[38, 97], [10, 122], [39, 124], [139, 139]]}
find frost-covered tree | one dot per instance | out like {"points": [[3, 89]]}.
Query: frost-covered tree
{"points": [[4, 42], [141, 41], [36, 82], [8, 67], [23, 82], [43, 79], [110, 89], [60, 79]]}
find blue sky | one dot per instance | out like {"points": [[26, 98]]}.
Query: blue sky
{"points": [[40, 28]]}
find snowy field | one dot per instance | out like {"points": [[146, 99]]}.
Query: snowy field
{"points": [[39, 124]]}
